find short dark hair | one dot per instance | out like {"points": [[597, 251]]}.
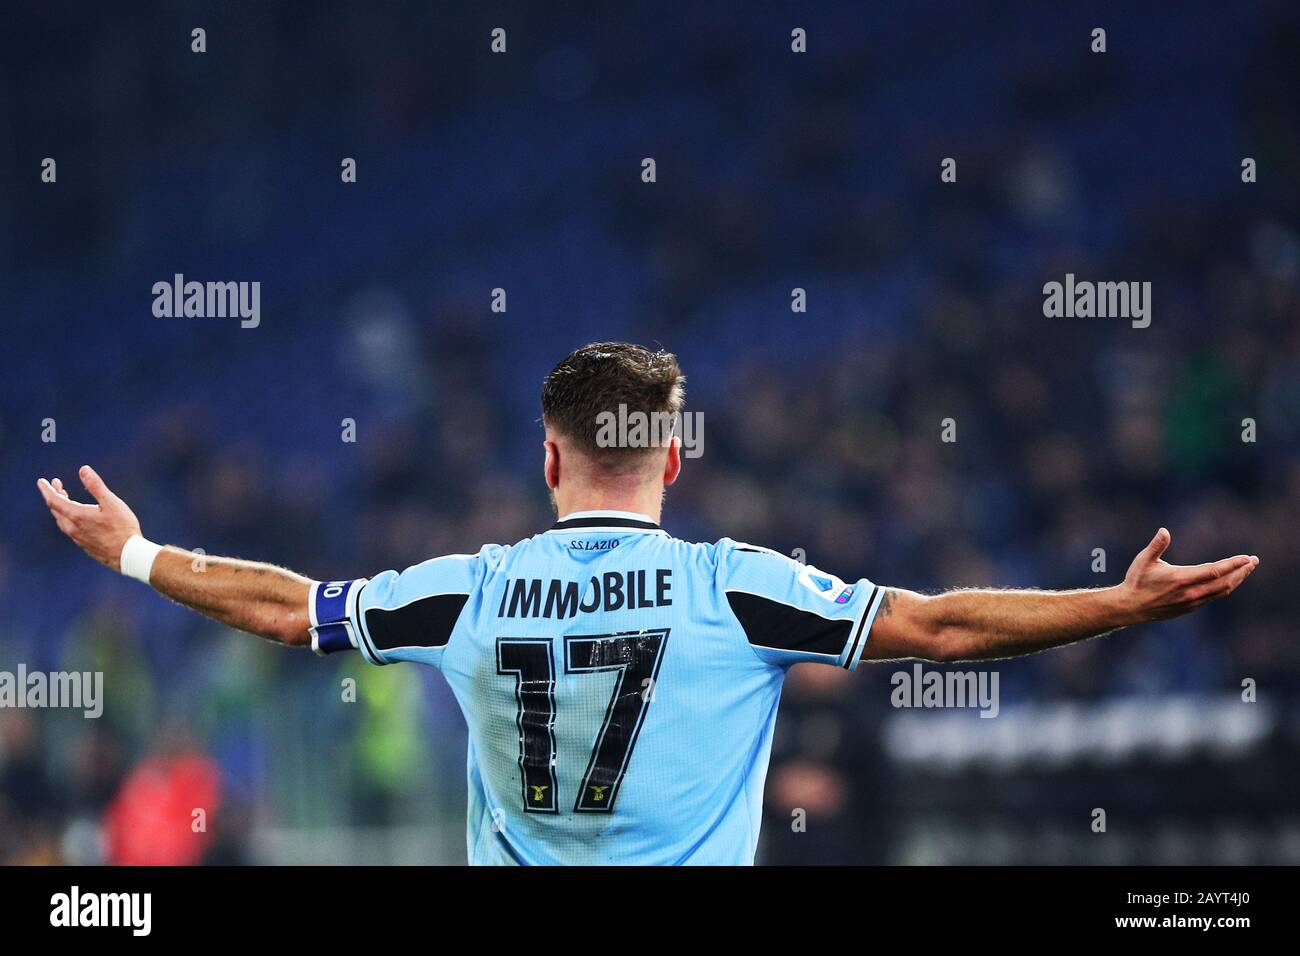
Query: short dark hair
{"points": [[600, 377]]}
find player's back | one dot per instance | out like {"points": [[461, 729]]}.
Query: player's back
{"points": [[620, 685]]}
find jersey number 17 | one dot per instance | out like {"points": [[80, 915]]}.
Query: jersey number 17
{"points": [[634, 656]]}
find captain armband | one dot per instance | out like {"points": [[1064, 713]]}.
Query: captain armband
{"points": [[331, 628]]}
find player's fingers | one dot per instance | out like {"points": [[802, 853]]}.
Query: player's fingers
{"points": [[95, 485], [1222, 587], [1218, 569], [62, 504], [1153, 551], [56, 502], [1226, 586], [1236, 577], [58, 486]]}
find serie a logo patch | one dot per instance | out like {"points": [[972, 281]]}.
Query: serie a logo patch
{"points": [[826, 586]]}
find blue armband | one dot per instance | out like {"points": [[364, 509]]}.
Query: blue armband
{"points": [[331, 628]]}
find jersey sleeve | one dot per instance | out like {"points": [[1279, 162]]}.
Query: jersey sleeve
{"points": [[406, 616], [792, 612]]}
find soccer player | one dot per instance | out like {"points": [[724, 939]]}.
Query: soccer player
{"points": [[621, 685]]}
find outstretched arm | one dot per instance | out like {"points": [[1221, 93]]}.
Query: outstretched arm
{"points": [[979, 625], [258, 598]]}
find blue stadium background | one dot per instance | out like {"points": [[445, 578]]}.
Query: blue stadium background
{"points": [[775, 171]]}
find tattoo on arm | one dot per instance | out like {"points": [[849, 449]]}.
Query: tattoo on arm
{"points": [[886, 604]]}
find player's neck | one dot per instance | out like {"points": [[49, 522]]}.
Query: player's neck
{"points": [[647, 501]]}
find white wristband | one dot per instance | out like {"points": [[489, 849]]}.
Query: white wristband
{"points": [[137, 557]]}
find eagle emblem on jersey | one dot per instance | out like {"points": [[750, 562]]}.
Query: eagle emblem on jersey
{"points": [[598, 793], [539, 792]]}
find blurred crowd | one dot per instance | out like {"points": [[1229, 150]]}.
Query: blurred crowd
{"points": [[823, 430]]}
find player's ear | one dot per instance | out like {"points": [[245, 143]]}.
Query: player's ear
{"points": [[673, 461], [551, 466]]}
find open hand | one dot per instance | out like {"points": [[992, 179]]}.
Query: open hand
{"points": [[1155, 590], [99, 529]]}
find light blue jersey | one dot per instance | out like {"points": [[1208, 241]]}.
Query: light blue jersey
{"points": [[620, 685]]}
